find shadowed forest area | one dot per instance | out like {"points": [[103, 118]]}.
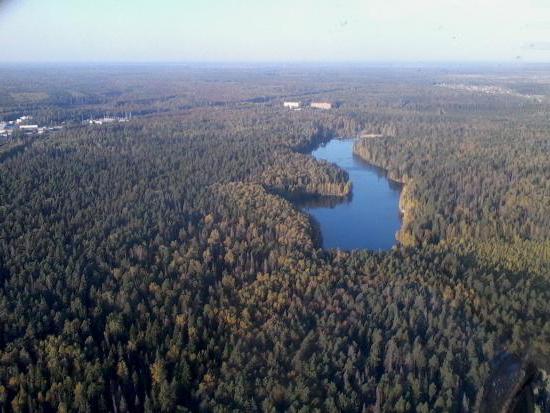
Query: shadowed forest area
{"points": [[159, 264]]}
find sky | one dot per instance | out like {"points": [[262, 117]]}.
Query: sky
{"points": [[274, 30]]}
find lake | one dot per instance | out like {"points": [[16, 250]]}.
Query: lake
{"points": [[370, 217]]}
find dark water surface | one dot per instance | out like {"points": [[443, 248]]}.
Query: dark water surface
{"points": [[370, 218]]}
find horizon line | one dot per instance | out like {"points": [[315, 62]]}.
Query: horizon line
{"points": [[427, 62]]}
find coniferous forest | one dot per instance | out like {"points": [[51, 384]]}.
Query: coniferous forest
{"points": [[159, 264]]}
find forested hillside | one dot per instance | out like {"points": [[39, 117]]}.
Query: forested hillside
{"points": [[159, 265]]}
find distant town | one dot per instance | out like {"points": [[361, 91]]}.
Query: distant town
{"points": [[25, 126], [489, 90]]}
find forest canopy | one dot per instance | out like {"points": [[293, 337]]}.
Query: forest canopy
{"points": [[158, 264]]}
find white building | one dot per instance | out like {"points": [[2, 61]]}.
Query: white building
{"points": [[292, 105], [23, 119], [321, 105], [100, 121], [105, 120], [28, 127]]}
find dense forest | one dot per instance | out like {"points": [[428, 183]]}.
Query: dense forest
{"points": [[159, 264]]}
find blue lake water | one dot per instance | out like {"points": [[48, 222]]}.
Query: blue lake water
{"points": [[370, 218]]}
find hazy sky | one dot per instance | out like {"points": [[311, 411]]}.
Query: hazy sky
{"points": [[274, 30]]}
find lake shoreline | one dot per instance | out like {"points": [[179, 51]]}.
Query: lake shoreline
{"points": [[405, 204], [364, 220]]}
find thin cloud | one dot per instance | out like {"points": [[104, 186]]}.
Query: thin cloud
{"points": [[4, 4], [537, 46]]}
